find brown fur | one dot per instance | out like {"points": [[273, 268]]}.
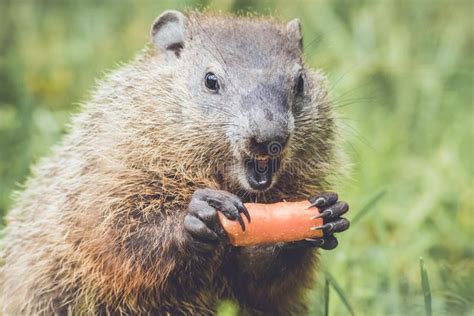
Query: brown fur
{"points": [[98, 228]]}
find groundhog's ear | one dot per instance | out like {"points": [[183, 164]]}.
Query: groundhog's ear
{"points": [[294, 32], [168, 32]]}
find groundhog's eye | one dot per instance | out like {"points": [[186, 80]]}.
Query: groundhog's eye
{"points": [[299, 83], [211, 81]]}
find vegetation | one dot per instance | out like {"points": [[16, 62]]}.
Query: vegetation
{"points": [[402, 79]]}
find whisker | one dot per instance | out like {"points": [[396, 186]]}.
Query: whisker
{"points": [[223, 111], [217, 48]]}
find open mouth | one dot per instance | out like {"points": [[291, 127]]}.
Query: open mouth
{"points": [[260, 171]]}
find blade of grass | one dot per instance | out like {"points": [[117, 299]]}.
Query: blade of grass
{"points": [[368, 206], [326, 296], [340, 292], [425, 284]]}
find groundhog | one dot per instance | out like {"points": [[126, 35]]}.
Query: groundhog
{"points": [[121, 218]]}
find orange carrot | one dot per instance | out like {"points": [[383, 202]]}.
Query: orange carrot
{"points": [[272, 223]]}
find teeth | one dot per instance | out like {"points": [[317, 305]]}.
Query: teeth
{"points": [[262, 157]]}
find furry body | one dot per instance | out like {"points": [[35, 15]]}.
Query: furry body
{"points": [[99, 226]]}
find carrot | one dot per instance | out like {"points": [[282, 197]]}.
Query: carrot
{"points": [[272, 223]]}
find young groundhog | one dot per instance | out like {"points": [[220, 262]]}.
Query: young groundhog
{"points": [[122, 217]]}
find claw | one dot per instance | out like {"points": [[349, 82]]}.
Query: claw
{"points": [[327, 228], [334, 211], [317, 216], [321, 227], [324, 199], [246, 212], [232, 211], [241, 222], [326, 213], [315, 242]]}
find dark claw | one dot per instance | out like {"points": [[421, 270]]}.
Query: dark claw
{"points": [[334, 211], [324, 200], [325, 214], [243, 210], [235, 213], [326, 243], [321, 227], [334, 227], [241, 222], [230, 210], [315, 242]]}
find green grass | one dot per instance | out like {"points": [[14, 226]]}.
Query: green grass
{"points": [[425, 284], [401, 74]]}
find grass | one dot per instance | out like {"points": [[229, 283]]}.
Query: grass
{"points": [[342, 295], [326, 297], [425, 284], [370, 205], [401, 75]]}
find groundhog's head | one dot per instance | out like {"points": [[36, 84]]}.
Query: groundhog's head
{"points": [[246, 88]]}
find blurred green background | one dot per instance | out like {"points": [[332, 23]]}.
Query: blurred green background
{"points": [[401, 75]]}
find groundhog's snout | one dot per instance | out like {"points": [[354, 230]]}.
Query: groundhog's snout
{"points": [[263, 160], [269, 135]]}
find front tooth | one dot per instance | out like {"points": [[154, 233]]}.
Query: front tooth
{"points": [[261, 157]]}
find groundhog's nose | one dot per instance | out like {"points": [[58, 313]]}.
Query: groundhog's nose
{"points": [[271, 147]]}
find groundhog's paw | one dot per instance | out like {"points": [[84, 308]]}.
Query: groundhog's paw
{"points": [[202, 223], [331, 211]]}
